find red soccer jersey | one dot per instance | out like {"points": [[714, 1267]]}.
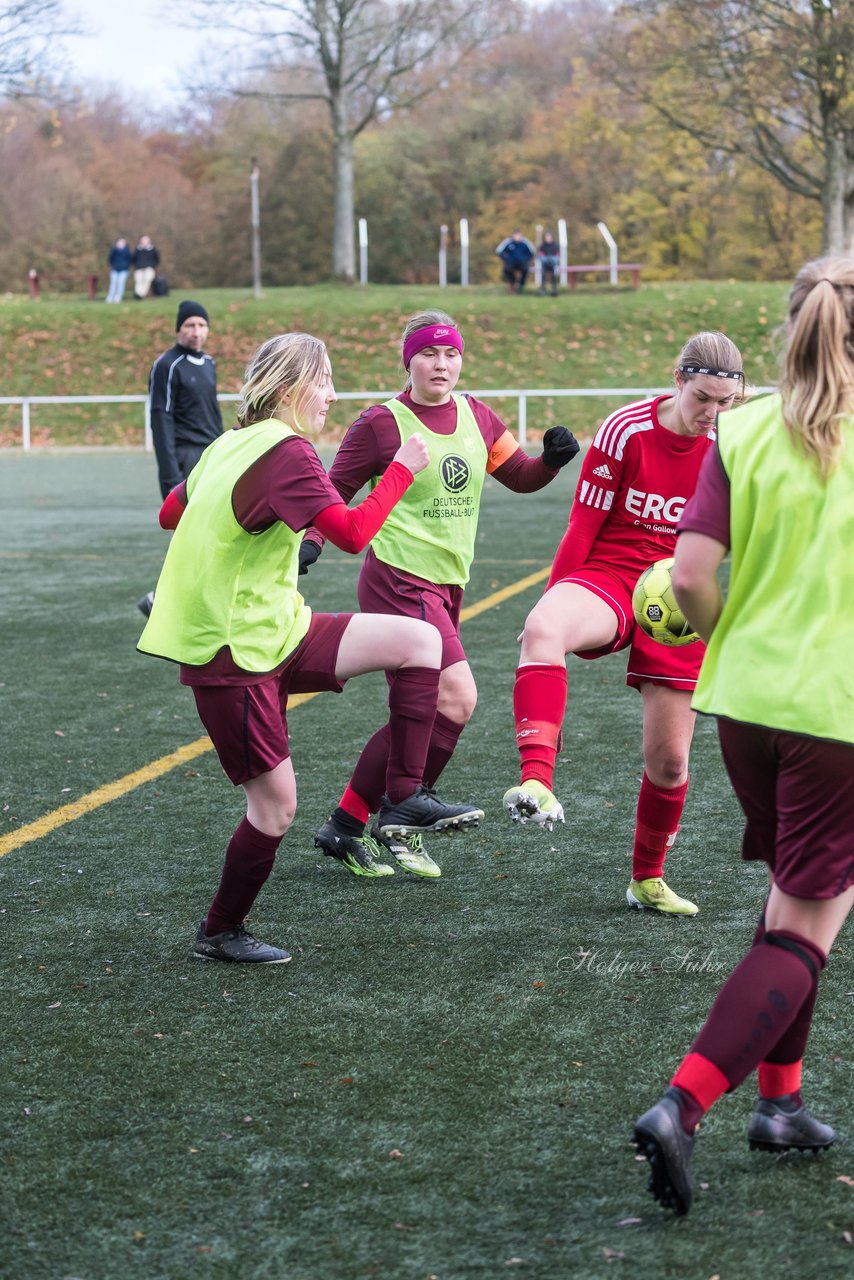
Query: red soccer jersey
{"points": [[635, 480]]}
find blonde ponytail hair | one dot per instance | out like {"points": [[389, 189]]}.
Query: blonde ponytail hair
{"points": [[817, 379]]}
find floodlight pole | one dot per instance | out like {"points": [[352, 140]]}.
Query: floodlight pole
{"points": [[612, 249], [464, 252], [443, 256], [363, 251], [256, 229], [564, 252]]}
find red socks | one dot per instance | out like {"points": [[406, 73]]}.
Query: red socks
{"points": [[249, 860], [657, 823], [539, 703]]}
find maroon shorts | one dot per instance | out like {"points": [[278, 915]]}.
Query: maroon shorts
{"points": [[797, 794], [384, 589], [676, 666], [247, 723]]}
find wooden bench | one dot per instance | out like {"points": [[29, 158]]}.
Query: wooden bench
{"points": [[572, 273], [35, 283]]}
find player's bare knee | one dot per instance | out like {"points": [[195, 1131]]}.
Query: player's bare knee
{"points": [[666, 769], [539, 638], [457, 704], [425, 647]]}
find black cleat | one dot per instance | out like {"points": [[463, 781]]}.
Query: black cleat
{"points": [[424, 811], [359, 854], [777, 1125], [238, 946], [659, 1137], [144, 605]]}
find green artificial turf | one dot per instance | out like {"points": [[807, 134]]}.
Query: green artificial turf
{"points": [[443, 1082]]}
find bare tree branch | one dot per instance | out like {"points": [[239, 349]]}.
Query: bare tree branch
{"points": [[31, 54], [769, 79], [362, 57]]}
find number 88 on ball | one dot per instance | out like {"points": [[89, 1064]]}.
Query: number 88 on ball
{"points": [[655, 607]]}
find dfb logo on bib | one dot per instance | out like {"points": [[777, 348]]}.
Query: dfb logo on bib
{"points": [[454, 473]]}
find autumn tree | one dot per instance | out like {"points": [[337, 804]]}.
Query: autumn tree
{"points": [[771, 80], [365, 59]]}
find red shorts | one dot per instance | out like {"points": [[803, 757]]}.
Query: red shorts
{"points": [[676, 666], [384, 589], [797, 794], [247, 723]]}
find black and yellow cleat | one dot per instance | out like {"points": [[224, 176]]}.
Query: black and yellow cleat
{"points": [[359, 854]]}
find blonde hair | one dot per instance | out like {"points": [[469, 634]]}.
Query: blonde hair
{"points": [[422, 320], [283, 365], [713, 350], [817, 377]]}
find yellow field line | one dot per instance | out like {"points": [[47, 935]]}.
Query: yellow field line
{"points": [[498, 597], [115, 790]]}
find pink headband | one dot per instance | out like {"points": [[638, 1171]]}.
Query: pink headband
{"points": [[434, 335]]}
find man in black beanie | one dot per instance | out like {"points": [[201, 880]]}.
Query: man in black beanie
{"points": [[185, 416]]}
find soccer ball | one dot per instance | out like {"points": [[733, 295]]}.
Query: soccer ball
{"points": [[655, 606]]}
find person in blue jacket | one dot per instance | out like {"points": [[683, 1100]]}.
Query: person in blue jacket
{"points": [[120, 259], [516, 254]]}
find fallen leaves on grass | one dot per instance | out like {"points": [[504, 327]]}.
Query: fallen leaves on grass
{"points": [[395, 1154], [612, 1255], [843, 1177]]}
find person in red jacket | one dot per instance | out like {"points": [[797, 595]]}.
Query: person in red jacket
{"points": [[637, 476]]}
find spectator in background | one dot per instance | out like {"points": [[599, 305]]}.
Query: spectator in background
{"points": [[146, 260], [185, 415], [119, 260], [549, 256], [517, 254]]}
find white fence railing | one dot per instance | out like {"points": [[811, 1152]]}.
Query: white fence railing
{"points": [[373, 397]]}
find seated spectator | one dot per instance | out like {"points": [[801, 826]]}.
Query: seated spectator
{"points": [[549, 255], [146, 260], [517, 254]]}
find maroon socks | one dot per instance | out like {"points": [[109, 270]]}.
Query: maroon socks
{"points": [[248, 862]]}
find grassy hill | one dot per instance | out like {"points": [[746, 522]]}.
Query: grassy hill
{"points": [[596, 336]]}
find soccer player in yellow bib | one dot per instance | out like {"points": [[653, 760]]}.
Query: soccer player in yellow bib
{"points": [[418, 564], [779, 494], [228, 611]]}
